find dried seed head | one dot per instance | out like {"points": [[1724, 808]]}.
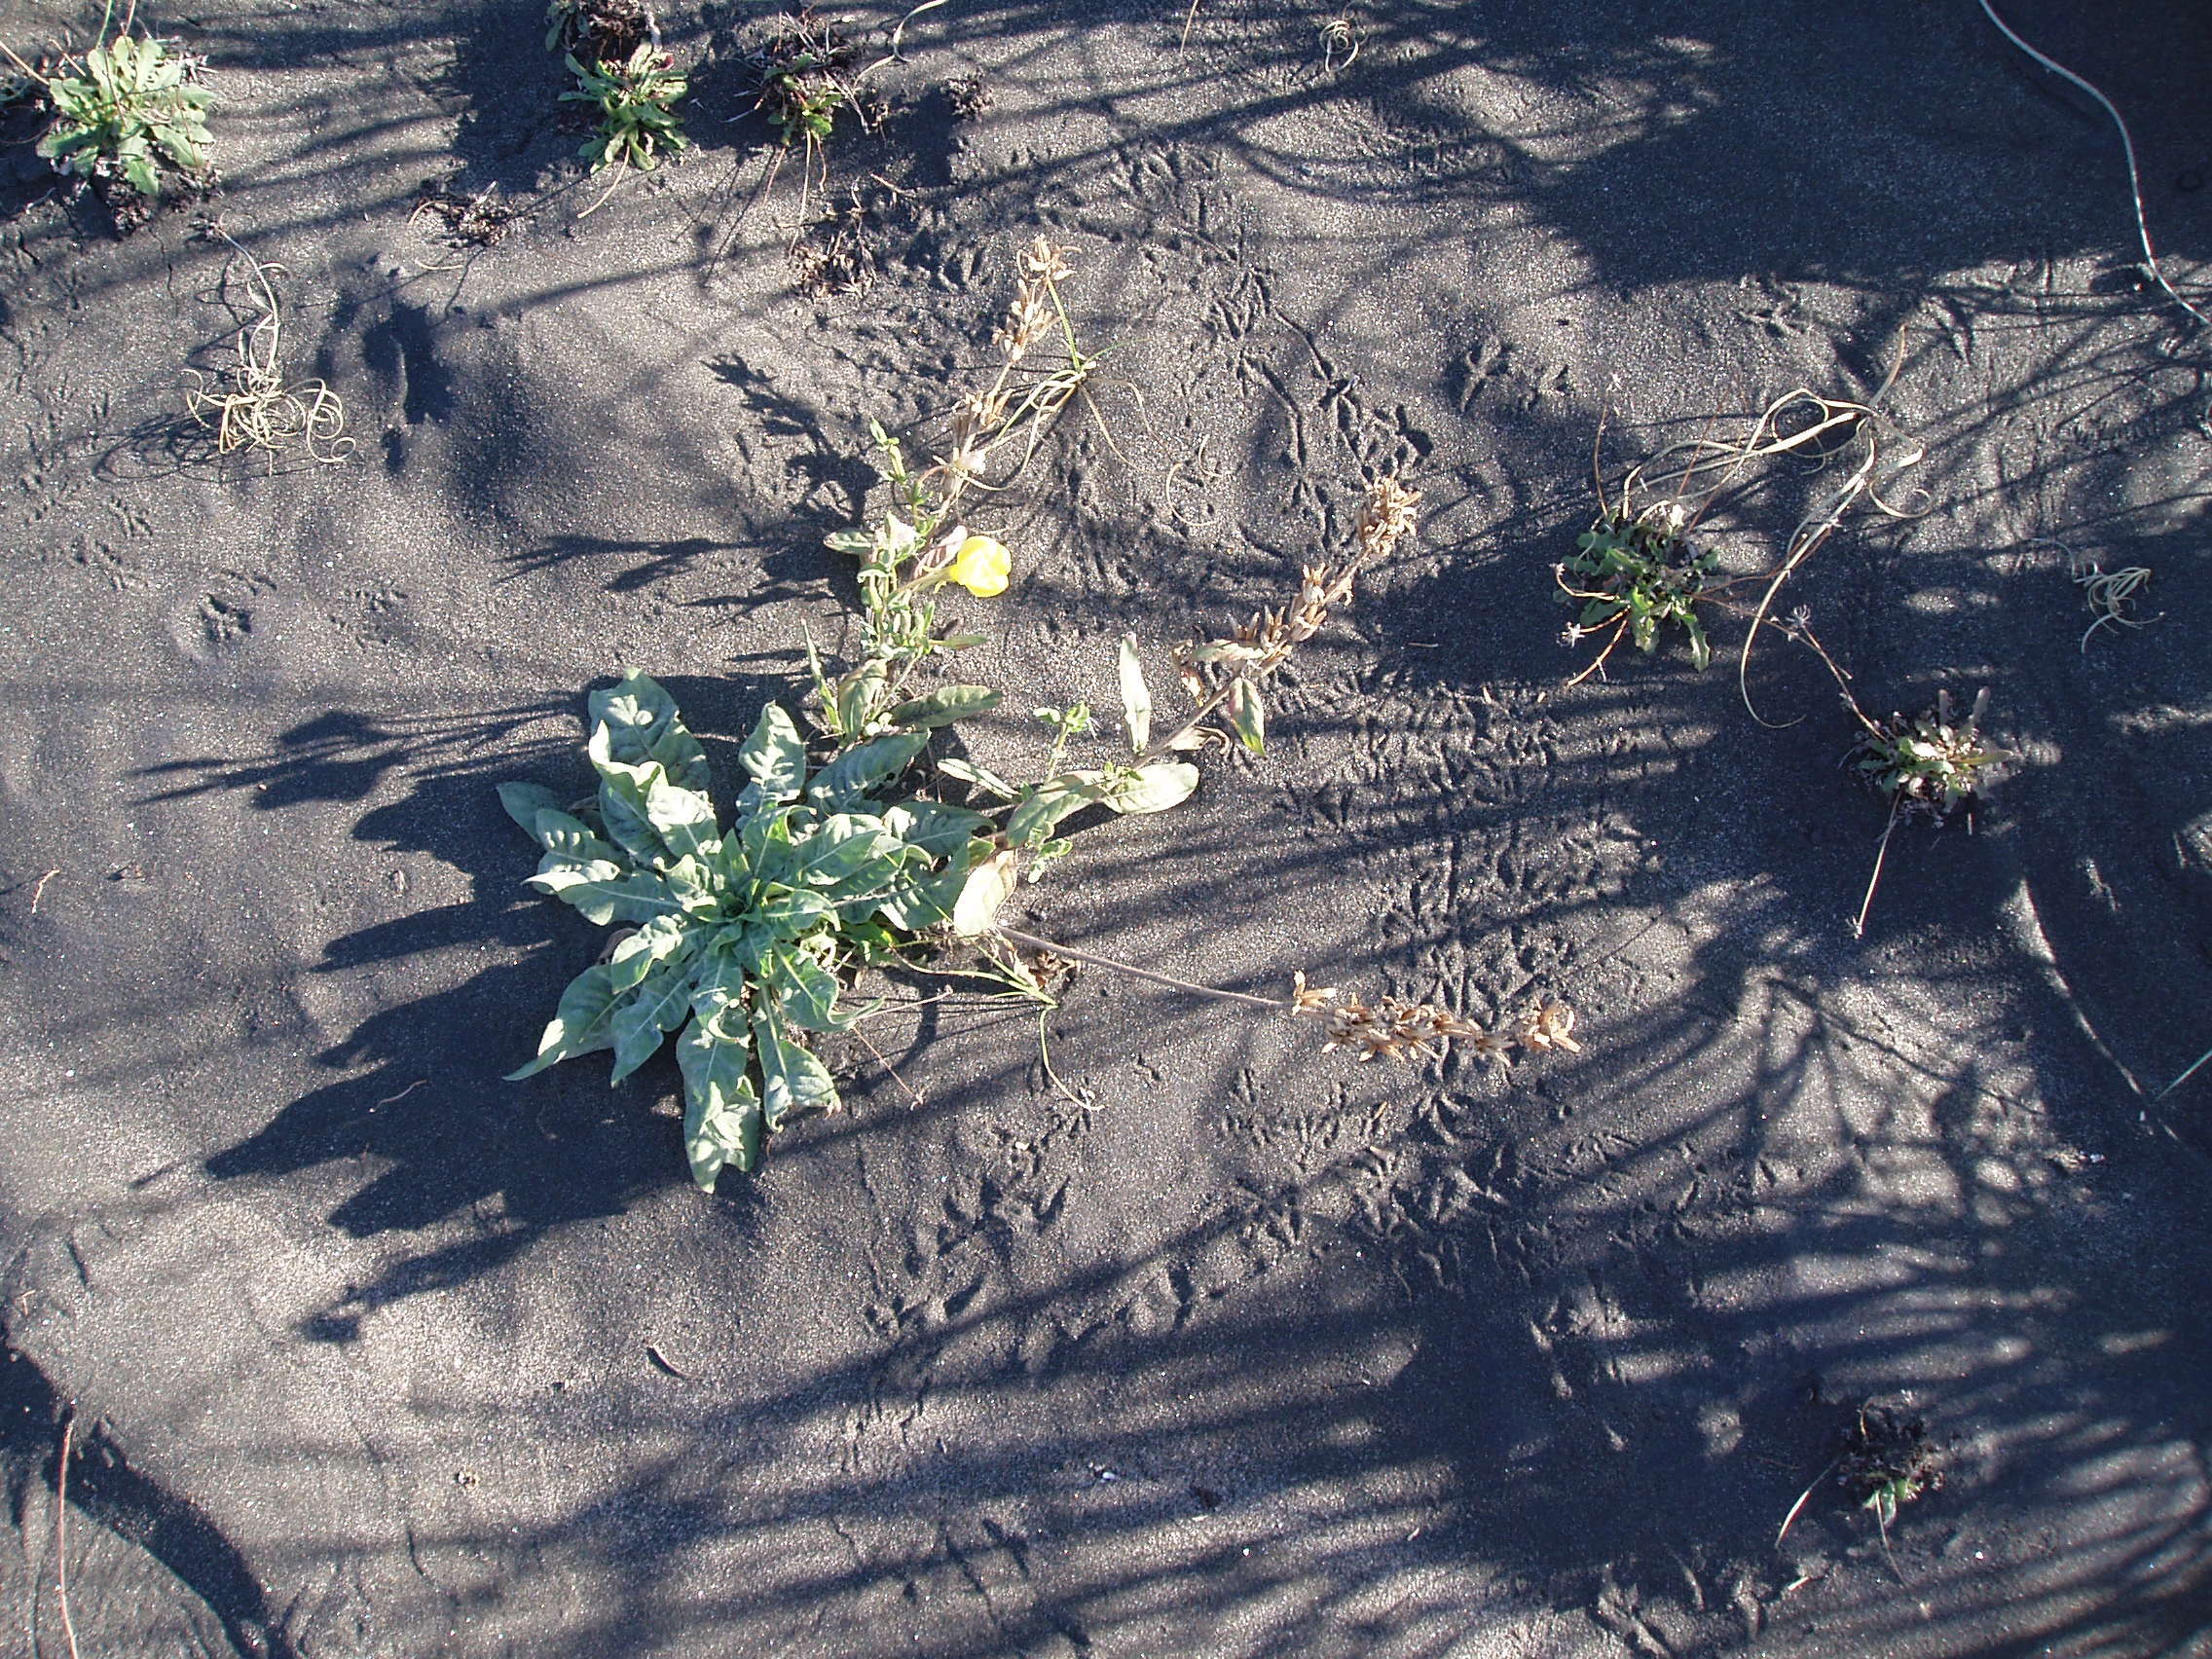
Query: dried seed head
{"points": [[1550, 1025], [1385, 517], [1398, 1030], [1043, 261], [1305, 999]]}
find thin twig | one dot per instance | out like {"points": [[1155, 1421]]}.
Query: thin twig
{"points": [[1017, 937], [1804, 1497], [39, 892], [62, 1533], [891, 1071], [2193, 1067]]}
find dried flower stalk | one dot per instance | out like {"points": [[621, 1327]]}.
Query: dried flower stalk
{"points": [[984, 421], [1228, 671]]}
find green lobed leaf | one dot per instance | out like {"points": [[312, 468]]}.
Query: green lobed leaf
{"points": [[640, 723], [806, 990], [792, 1079], [580, 1025], [603, 891], [766, 840], [623, 792], [658, 1006], [1136, 697], [788, 912], [1701, 650], [929, 901], [525, 802], [937, 830], [843, 846], [684, 819], [856, 771], [775, 755], [1043, 805], [721, 1110], [628, 964], [721, 980], [944, 705], [692, 883], [559, 832]]}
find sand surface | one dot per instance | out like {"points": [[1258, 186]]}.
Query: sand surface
{"points": [[364, 1352]]}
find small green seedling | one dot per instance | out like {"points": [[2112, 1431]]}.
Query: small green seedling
{"points": [[1928, 765], [1634, 573], [801, 74], [635, 101], [1932, 763], [126, 111]]}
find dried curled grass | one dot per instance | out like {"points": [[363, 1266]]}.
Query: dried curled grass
{"points": [[251, 406], [2109, 593]]}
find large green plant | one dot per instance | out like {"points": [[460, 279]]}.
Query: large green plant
{"points": [[131, 109], [745, 939], [741, 939]]}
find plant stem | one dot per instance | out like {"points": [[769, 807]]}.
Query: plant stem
{"points": [[61, 1531], [2195, 1065], [1859, 927], [1016, 936]]}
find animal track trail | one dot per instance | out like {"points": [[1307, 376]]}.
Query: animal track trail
{"points": [[1483, 369]]}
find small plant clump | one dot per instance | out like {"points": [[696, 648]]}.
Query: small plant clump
{"points": [[801, 73], [741, 939], [634, 99], [1932, 763], [478, 220], [1929, 766], [803, 81], [1634, 573], [126, 113], [1886, 1461]]}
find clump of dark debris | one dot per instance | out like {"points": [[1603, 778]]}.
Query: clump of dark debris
{"points": [[600, 31], [477, 220], [1888, 1460]]}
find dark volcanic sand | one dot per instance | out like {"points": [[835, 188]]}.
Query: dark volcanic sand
{"points": [[1261, 1352]]}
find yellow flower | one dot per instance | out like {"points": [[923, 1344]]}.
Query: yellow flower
{"points": [[980, 564]]}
